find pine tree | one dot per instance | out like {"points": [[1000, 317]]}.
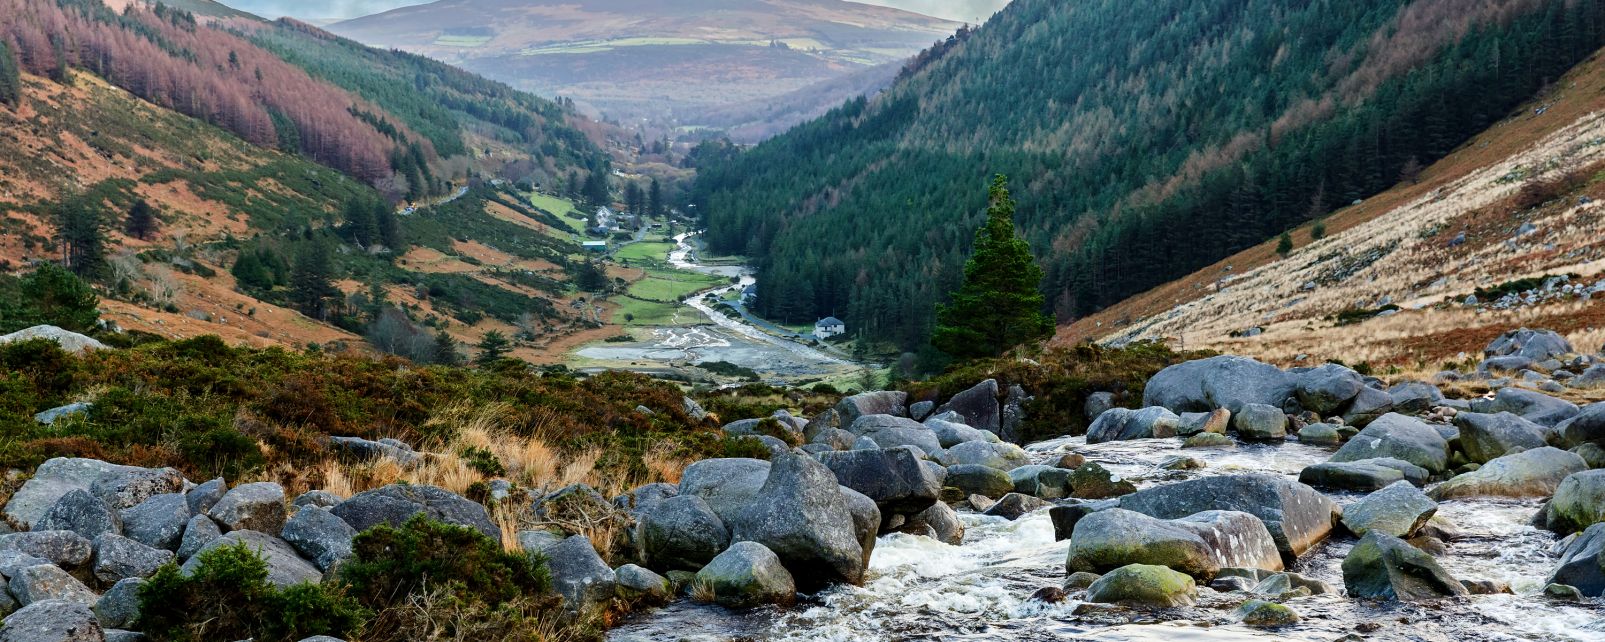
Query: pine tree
{"points": [[82, 241], [10, 77], [311, 287], [1284, 245], [654, 199], [1318, 231], [446, 352], [141, 221], [492, 347], [998, 306], [56, 296]]}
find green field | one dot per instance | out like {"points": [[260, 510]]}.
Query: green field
{"points": [[662, 285], [462, 41], [645, 253]]}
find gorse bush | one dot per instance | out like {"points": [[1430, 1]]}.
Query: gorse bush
{"points": [[228, 597]]}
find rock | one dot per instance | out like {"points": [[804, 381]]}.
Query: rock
{"points": [[645, 496], [1048, 595], [1384, 567], [1327, 387], [725, 484], [42, 582], [802, 517], [357, 448], [1592, 454], [1296, 515], [1414, 397], [1532, 344], [319, 536], [82, 513], [51, 416], [199, 531], [866, 519], [894, 477], [980, 503], [835, 439], [636, 584], [1260, 422], [1041, 481], [253, 507], [681, 533], [1281, 585], [978, 405], [62, 548], [55, 478], [285, 567], [1015, 402], [1529, 473], [1181, 462], [919, 410], [1486, 587], [12, 562], [826, 420], [118, 608], [1591, 378], [1217, 382], [1080, 580], [1259, 613], [1230, 584], [572, 502], [1562, 593], [52, 621], [1097, 403], [204, 496], [395, 503], [1533, 406], [1215, 421], [1582, 564], [1070, 461], [1066, 517], [134, 487], [1093, 481], [1505, 365], [1013, 506], [117, 558], [1198, 545], [951, 434], [1588, 427], [890, 432], [1358, 475], [1208, 440], [1001, 456], [1398, 510], [69, 341], [1578, 502], [579, 575], [158, 521], [889, 402], [1484, 437], [1399, 437], [942, 522], [747, 575], [1122, 424], [1320, 435], [1367, 407], [538, 541], [975, 479], [1143, 585]]}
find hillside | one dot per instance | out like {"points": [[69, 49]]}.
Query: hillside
{"points": [[1139, 154], [665, 61]]}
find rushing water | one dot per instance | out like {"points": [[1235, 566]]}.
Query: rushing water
{"points": [[922, 589]]}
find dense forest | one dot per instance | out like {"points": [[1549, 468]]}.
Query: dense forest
{"points": [[1146, 140]]}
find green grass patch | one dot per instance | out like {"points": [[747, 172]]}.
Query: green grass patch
{"points": [[645, 252]]}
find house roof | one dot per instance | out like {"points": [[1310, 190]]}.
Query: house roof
{"points": [[828, 321]]}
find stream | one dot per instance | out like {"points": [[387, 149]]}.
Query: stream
{"points": [[922, 589]]}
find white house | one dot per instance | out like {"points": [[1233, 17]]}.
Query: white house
{"points": [[829, 327]]}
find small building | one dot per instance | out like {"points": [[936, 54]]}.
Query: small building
{"points": [[599, 247], [829, 327]]}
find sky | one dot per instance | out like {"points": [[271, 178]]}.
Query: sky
{"points": [[972, 11]]}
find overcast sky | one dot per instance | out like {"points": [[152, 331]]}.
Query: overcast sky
{"points": [[972, 11]]}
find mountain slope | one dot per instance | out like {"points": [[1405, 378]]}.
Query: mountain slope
{"points": [[1145, 139], [640, 58]]}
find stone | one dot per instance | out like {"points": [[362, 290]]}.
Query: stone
{"points": [[158, 521], [1123, 424], [894, 477], [1582, 564], [51, 416], [42, 582], [1591, 453], [253, 507], [1414, 397], [1260, 422], [1533, 406], [395, 503], [692, 409], [285, 567], [1562, 593], [866, 519], [1588, 427], [1001, 456], [1296, 515], [1093, 481], [1070, 461], [1217, 382], [1326, 387], [681, 533], [574, 502], [1013, 506], [117, 558], [68, 340], [1399, 437], [118, 607], [1529, 473], [951, 434], [57, 477], [1048, 595], [1398, 510], [835, 438], [1143, 585], [941, 522], [1320, 435], [1080, 580], [319, 536], [725, 484], [199, 531], [975, 479], [1208, 440], [537, 541], [11, 562], [1367, 406], [636, 584], [747, 575], [890, 432], [132, 488], [82, 513], [645, 496], [1486, 587], [1097, 403], [978, 405], [1284, 584], [579, 575], [1198, 545], [1041, 481], [1262, 614], [1484, 437], [319, 498], [1182, 462], [1384, 567], [52, 621], [1065, 517], [1015, 402], [1532, 344], [62, 548], [1578, 502], [919, 410], [357, 448], [1358, 476], [889, 402], [801, 515]]}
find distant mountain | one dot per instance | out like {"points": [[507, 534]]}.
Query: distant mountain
{"points": [[319, 10], [971, 11], [651, 59]]}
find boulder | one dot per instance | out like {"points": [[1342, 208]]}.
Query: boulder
{"points": [[1582, 565], [1384, 567], [579, 575], [1326, 388], [919, 410], [395, 503], [890, 432], [747, 575], [1263, 614], [1296, 515], [1218, 382], [1399, 437], [1415, 397], [1041, 481], [53, 415], [1578, 502], [537, 541], [1208, 440], [252, 507], [357, 448], [1398, 510], [572, 503], [1143, 585], [1367, 407], [118, 558], [829, 419], [1495, 366], [1097, 403], [1484, 437], [82, 513], [951, 434], [158, 521], [975, 479], [285, 567], [42, 582], [894, 477], [1065, 517], [1529, 473], [1260, 422], [118, 607], [132, 488], [1015, 402], [319, 536], [978, 405], [68, 340], [801, 516], [1092, 481], [58, 477], [1013, 506], [886, 402], [1591, 453], [1320, 435], [1357, 475], [939, 522], [725, 484], [1533, 406], [62, 548], [866, 519], [205, 495], [835, 438], [11, 562], [1122, 424], [199, 531], [1532, 344], [1198, 545], [52, 621], [1215, 421], [1591, 378], [636, 584], [1588, 427], [1002, 456], [680, 533], [645, 496], [692, 409]]}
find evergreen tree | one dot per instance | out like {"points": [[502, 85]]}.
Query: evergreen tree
{"points": [[51, 295], [634, 200], [1284, 244], [1318, 231], [492, 347], [361, 226], [311, 285], [998, 306], [10, 77], [446, 352], [390, 234], [82, 241], [654, 199], [141, 221]]}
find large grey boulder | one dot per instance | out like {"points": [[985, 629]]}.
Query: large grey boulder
{"points": [[11, 562], [579, 575], [1588, 427], [251, 507], [835, 438], [939, 522], [1578, 502], [285, 567], [890, 432], [1260, 422], [205, 495], [1097, 403], [319, 536], [52, 621], [680, 533], [1296, 515], [978, 405], [157, 521], [1537, 345], [118, 607], [1015, 402], [747, 575], [1398, 510], [1582, 565], [886, 402], [82, 513], [1384, 567], [1484, 437], [319, 498], [1367, 406], [62, 548], [53, 415], [123, 491], [1143, 585], [118, 558], [1414, 397], [48, 582], [1092, 481], [199, 531], [645, 496], [951, 434], [1217, 382], [1325, 388], [1002, 456], [866, 519], [975, 479], [396, 503], [725, 484], [1215, 421], [1529, 473], [1037, 480], [1363, 474], [801, 515], [57, 477], [1198, 545], [1013, 506], [894, 477], [638, 584], [1399, 437], [1534, 406]]}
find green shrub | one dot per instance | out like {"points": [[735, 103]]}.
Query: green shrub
{"points": [[228, 597], [484, 461]]}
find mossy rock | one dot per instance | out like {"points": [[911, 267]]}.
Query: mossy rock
{"points": [[1144, 585], [1267, 614]]}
